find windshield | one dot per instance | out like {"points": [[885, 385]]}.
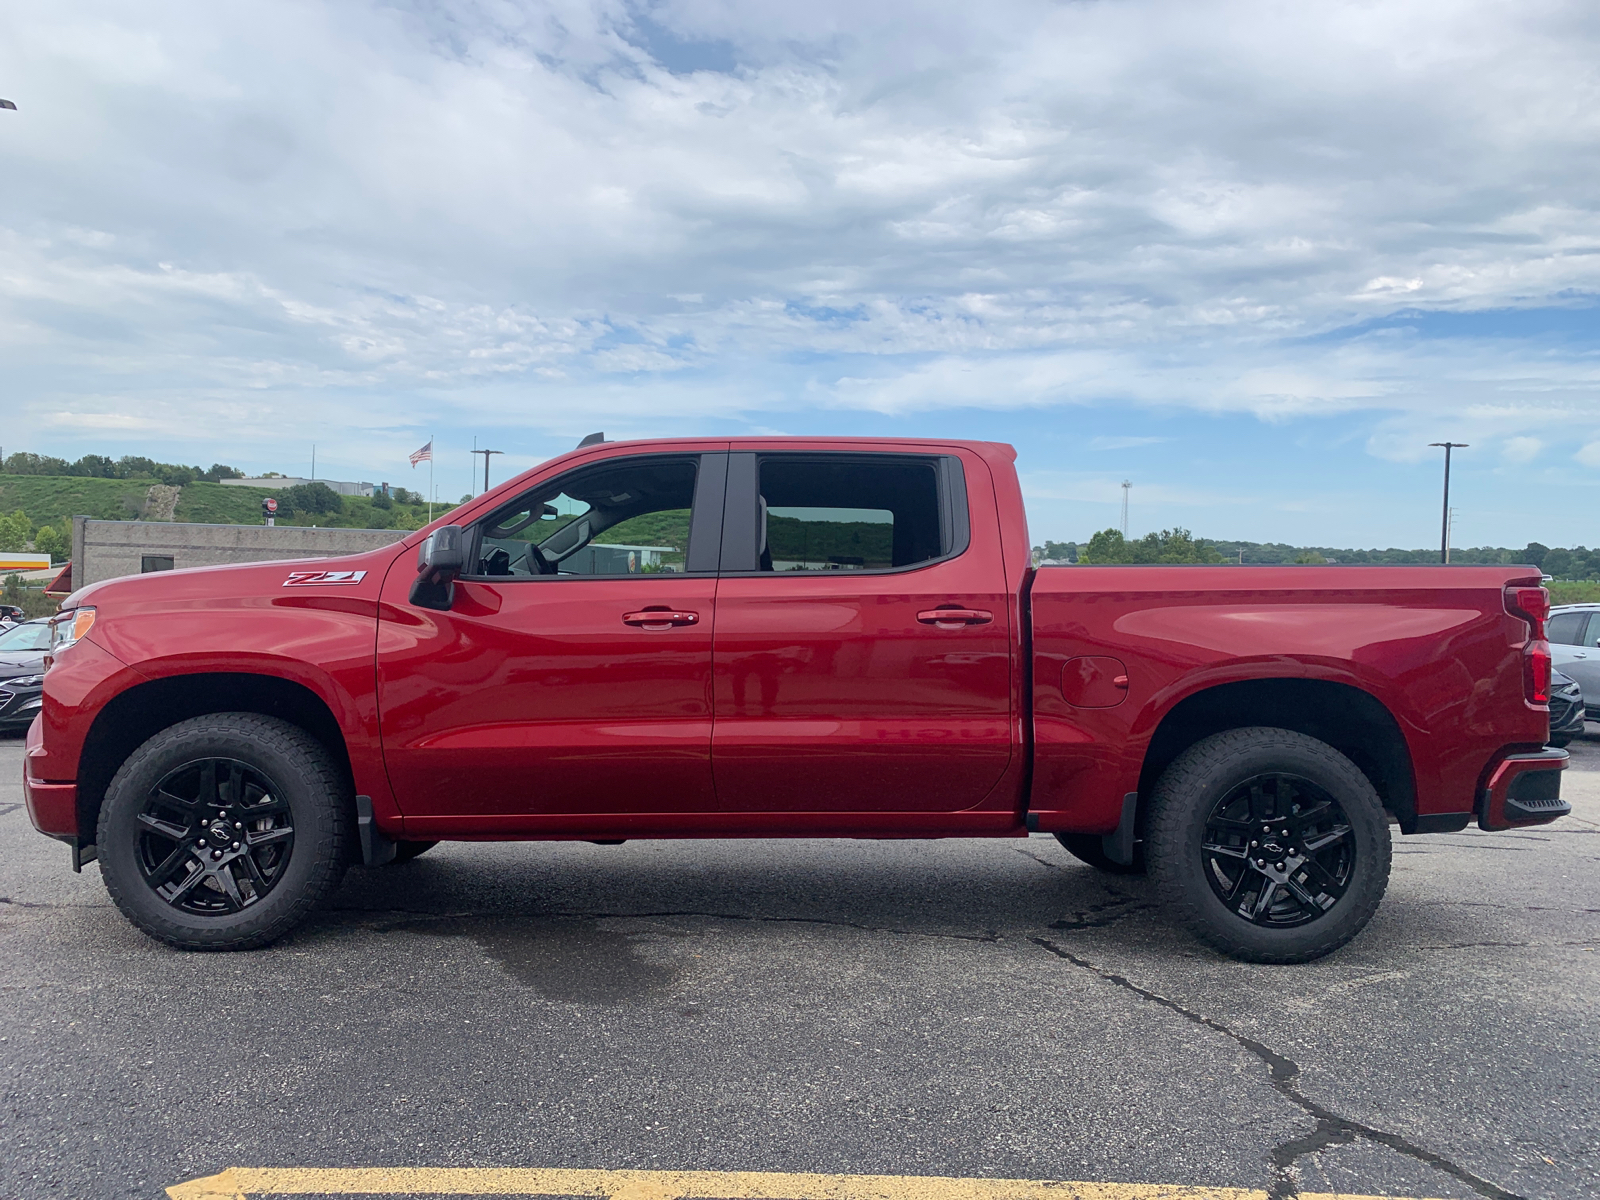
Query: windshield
{"points": [[26, 637]]}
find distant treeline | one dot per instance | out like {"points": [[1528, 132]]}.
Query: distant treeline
{"points": [[1179, 546], [129, 466]]}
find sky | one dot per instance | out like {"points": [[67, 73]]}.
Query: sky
{"points": [[1250, 257]]}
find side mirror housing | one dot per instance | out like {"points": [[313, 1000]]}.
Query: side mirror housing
{"points": [[440, 559]]}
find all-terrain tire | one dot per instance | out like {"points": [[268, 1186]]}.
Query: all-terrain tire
{"points": [[1188, 795], [1090, 848], [309, 789]]}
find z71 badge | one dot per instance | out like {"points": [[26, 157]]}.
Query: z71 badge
{"points": [[307, 578]]}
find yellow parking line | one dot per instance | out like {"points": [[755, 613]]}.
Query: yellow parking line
{"points": [[238, 1183]]}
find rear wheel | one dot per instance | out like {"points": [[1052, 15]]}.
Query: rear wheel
{"points": [[1270, 845], [1090, 848], [224, 832]]}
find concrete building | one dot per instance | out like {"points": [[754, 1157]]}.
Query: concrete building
{"points": [[109, 549], [361, 488]]}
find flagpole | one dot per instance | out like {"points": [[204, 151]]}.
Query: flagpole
{"points": [[430, 479]]}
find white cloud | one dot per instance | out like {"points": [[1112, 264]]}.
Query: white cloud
{"points": [[1521, 450], [895, 209]]}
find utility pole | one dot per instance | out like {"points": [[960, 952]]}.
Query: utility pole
{"points": [[1126, 485], [486, 454], [1444, 524]]}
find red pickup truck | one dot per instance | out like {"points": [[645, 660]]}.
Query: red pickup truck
{"points": [[785, 638]]}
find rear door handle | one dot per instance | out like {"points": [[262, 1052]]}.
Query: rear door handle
{"points": [[954, 618], [660, 618]]}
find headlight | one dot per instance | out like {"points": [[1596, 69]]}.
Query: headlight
{"points": [[67, 627], [23, 681]]}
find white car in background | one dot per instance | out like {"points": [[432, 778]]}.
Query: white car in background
{"points": [[1574, 633]]}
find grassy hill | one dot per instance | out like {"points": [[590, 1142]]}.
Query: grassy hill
{"points": [[55, 499]]}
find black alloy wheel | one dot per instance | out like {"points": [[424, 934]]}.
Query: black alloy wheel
{"points": [[1278, 851], [1269, 844], [226, 831], [215, 836]]}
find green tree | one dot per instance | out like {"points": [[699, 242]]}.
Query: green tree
{"points": [[1557, 563], [15, 531], [1107, 546], [1057, 551], [316, 498], [1176, 546], [1309, 558], [49, 541]]}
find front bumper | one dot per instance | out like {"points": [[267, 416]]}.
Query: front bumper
{"points": [[1524, 789], [52, 807]]}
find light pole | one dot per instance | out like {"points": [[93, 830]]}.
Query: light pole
{"points": [[1444, 528], [1126, 485], [486, 454]]}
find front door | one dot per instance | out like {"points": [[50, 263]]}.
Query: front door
{"points": [[572, 674], [862, 650]]}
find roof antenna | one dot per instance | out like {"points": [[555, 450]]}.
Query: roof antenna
{"points": [[594, 439]]}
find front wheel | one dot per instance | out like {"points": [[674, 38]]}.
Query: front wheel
{"points": [[224, 832], [1270, 845]]}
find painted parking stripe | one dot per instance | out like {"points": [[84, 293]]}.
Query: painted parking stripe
{"points": [[239, 1183]]}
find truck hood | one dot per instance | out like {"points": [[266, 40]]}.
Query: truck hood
{"points": [[351, 574]]}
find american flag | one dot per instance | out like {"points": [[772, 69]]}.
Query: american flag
{"points": [[423, 455]]}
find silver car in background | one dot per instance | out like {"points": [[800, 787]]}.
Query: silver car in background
{"points": [[1574, 633]]}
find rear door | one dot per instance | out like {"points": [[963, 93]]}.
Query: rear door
{"points": [[861, 659], [1575, 651], [572, 675]]}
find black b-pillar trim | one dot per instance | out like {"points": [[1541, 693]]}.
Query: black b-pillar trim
{"points": [[741, 514], [705, 521]]}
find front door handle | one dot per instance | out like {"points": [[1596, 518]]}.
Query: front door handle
{"points": [[660, 618], [954, 618]]}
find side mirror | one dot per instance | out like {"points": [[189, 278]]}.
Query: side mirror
{"points": [[440, 559]]}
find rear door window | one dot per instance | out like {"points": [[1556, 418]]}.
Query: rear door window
{"points": [[838, 513], [1566, 629]]}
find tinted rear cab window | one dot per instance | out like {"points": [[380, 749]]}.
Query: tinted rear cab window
{"points": [[847, 514]]}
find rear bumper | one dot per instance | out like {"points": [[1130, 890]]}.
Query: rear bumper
{"points": [[52, 807], [1524, 789]]}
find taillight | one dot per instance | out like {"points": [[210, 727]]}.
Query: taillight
{"points": [[1532, 604], [1536, 672]]}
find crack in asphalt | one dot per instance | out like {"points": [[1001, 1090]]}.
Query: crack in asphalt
{"points": [[991, 935], [1331, 1128], [1043, 862], [1101, 916], [43, 904]]}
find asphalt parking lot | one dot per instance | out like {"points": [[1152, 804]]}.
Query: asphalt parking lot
{"points": [[956, 1008]]}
